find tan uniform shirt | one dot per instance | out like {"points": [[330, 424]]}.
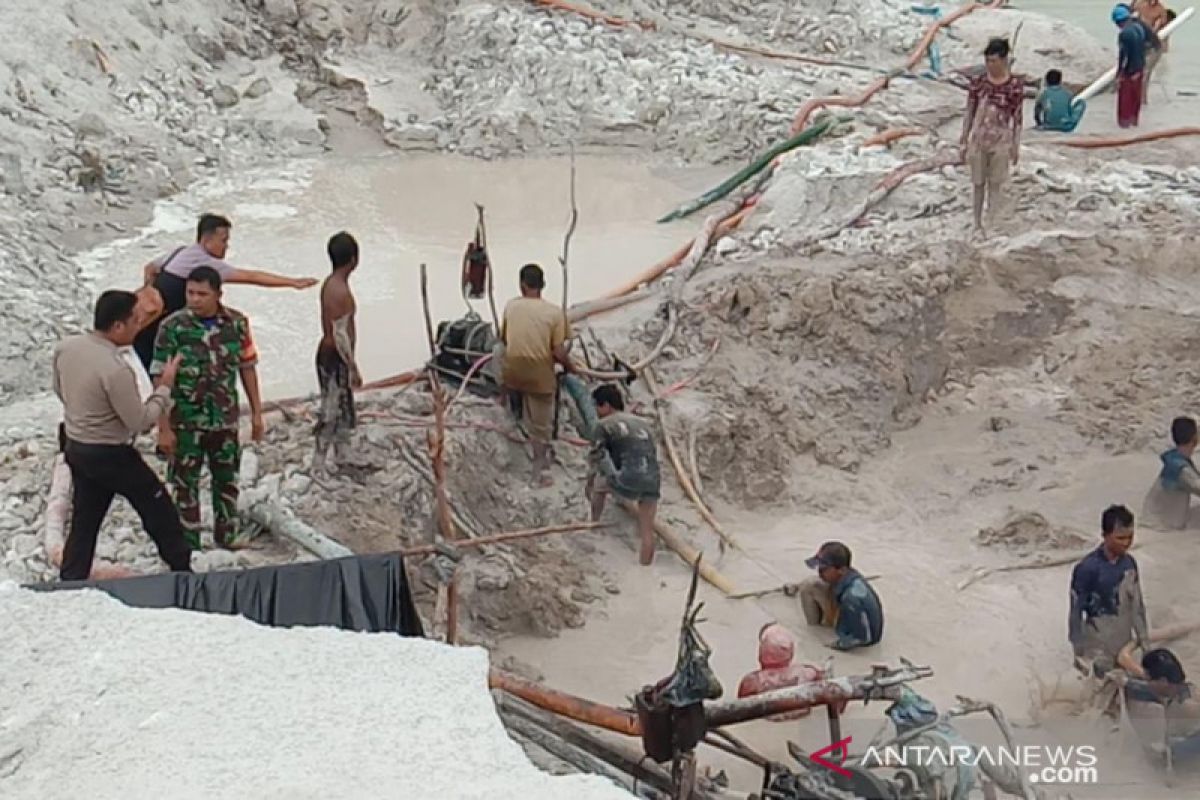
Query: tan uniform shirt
{"points": [[531, 329], [99, 392]]}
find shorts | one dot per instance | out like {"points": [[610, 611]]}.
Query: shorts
{"points": [[988, 167], [627, 485], [538, 411]]}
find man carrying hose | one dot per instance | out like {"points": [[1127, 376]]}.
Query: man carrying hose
{"points": [[991, 135], [624, 460], [534, 333]]}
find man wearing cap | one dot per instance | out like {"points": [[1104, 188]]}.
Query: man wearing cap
{"points": [[1132, 45], [840, 598]]}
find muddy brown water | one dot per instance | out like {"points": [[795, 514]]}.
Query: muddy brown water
{"points": [[407, 210]]}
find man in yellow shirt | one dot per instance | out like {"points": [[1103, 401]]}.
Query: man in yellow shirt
{"points": [[534, 333]]}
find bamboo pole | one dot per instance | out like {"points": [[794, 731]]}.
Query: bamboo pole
{"points": [[437, 437], [566, 246], [982, 572], [437, 456], [510, 536], [685, 482], [685, 551]]}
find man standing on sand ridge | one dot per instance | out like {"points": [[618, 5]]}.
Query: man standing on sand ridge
{"points": [[991, 135]]}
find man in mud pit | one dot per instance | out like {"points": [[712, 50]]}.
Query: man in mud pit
{"points": [[534, 333], [991, 135], [168, 274], [624, 460], [840, 598], [1107, 609], [337, 371], [1162, 705], [1169, 500], [776, 651], [216, 347]]}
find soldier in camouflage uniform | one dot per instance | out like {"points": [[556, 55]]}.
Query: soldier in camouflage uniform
{"points": [[216, 346]]}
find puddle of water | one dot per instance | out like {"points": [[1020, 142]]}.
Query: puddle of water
{"points": [[405, 210]]}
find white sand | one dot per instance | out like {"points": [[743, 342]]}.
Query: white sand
{"points": [[99, 700]]}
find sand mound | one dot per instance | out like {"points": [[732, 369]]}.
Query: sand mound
{"points": [[1027, 533], [104, 701]]}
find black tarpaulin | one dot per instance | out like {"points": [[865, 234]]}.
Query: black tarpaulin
{"points": [[356, 593]]}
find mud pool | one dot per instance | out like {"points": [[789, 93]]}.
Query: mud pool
{"points": [[407, 210]]}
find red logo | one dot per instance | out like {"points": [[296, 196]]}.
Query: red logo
{"points": [[841, 749]]}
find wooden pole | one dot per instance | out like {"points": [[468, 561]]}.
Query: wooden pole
{"points": [[685, 482], [684, 775], [685, 551], [566, 247], [437, 437], [490, 291], [437, 457], [510, 536]]}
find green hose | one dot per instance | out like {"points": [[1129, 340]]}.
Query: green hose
{"points": [[822, 125], [578, 392]]}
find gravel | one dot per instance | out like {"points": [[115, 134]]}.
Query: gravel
{"points": [[103, 701]]}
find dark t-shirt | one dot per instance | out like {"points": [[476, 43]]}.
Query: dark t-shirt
{"points": [[1131, 43]]}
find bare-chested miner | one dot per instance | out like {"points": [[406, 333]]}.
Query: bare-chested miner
{"points": [[337, 371]]}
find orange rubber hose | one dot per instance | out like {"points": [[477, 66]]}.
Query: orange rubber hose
{"points": [[817, 103], [890, 135], [595, 16], [1122, 141], [725, 226]]}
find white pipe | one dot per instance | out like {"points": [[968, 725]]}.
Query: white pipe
{"points": [[1104, 80], [262, 509]]}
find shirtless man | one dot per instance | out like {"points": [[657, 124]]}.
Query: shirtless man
{"points": [[337, 371]]}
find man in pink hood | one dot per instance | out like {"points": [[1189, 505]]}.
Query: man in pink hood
{"points": [[776, 649]]}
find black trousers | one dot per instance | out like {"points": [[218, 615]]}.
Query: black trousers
{"points": [[100, 471]]}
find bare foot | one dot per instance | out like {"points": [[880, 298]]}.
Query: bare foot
{"points": [[235, 545]]}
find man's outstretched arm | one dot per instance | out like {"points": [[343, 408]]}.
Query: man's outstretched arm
{"points": [[270, 280]]}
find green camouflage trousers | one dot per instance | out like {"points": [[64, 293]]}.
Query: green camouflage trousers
{"points": [[221, 450]]}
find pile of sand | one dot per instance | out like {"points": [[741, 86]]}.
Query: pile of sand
{"points": [[103, 701]]}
